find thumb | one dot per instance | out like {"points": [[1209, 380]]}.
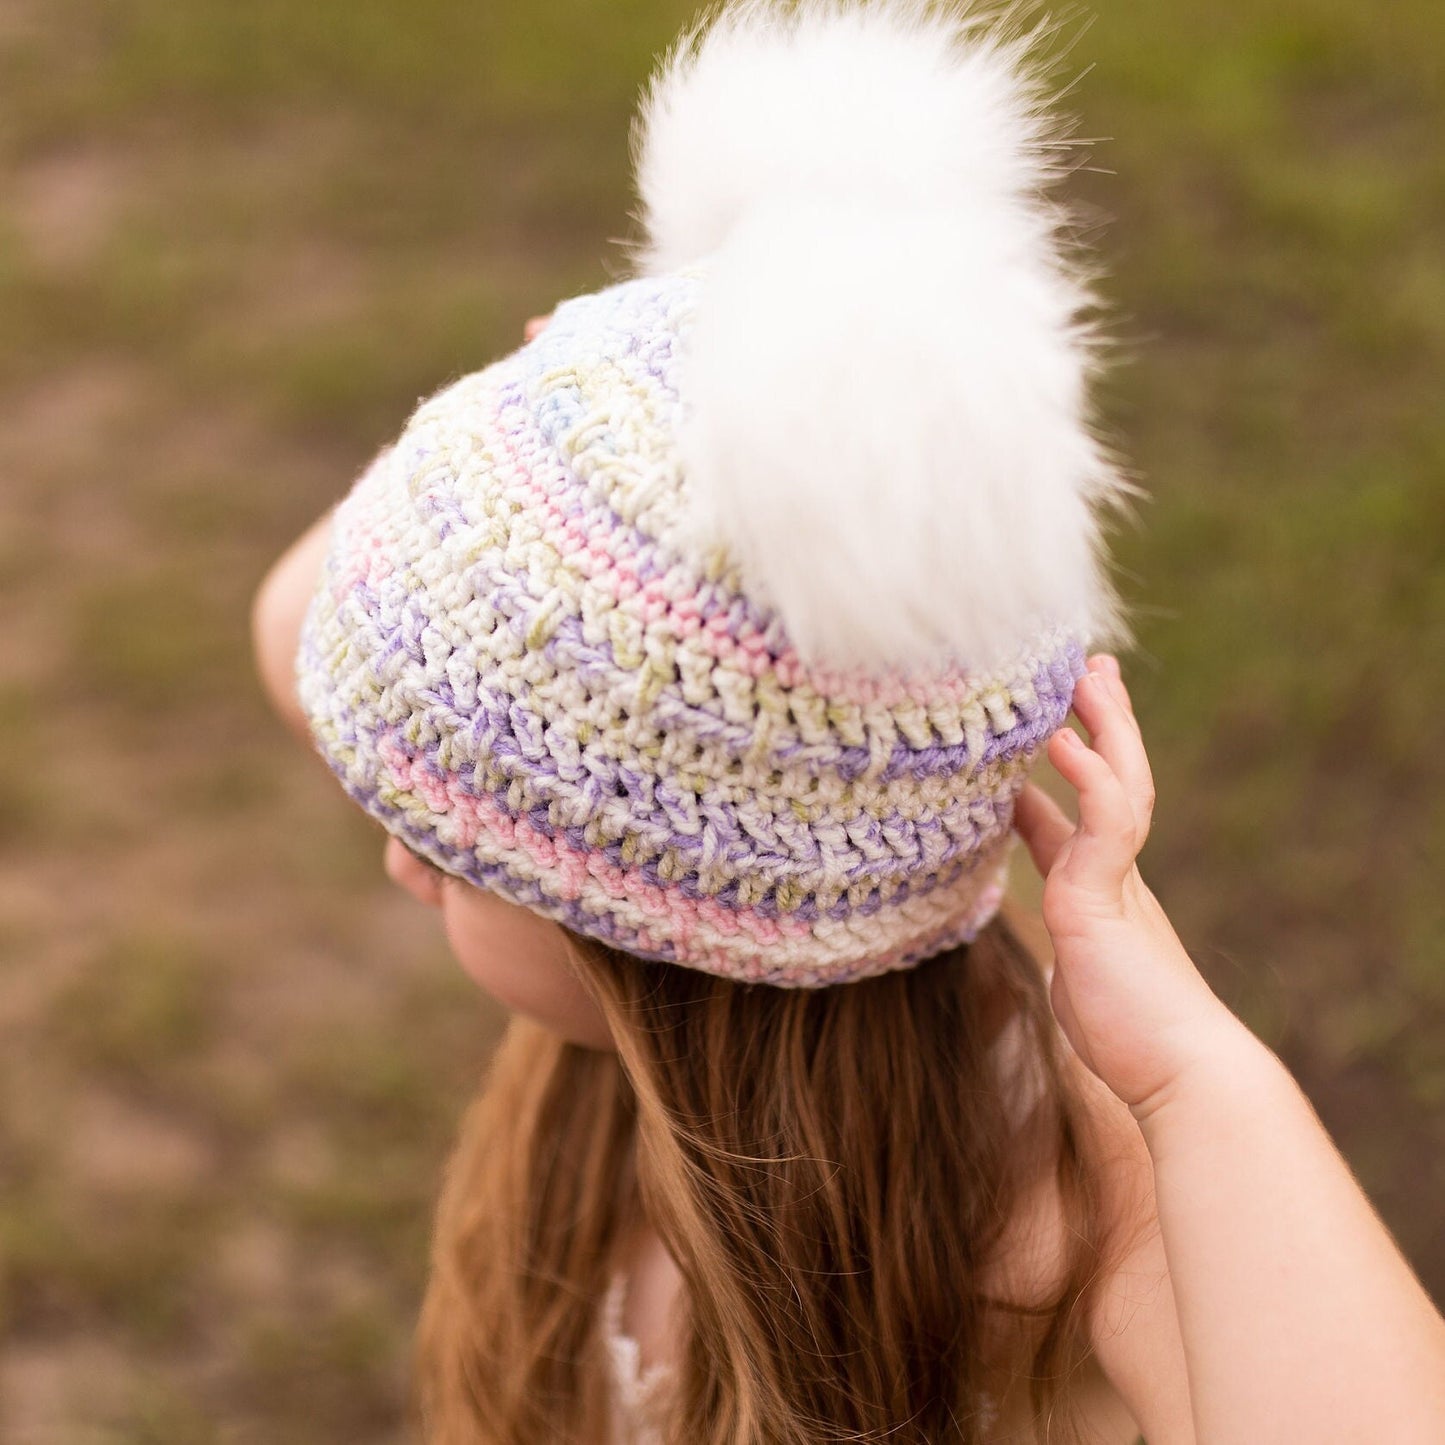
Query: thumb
{"points": [[1043, 826]]}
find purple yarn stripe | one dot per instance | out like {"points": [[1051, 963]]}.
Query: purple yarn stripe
{"points": [[595, 663], [778, 866]]}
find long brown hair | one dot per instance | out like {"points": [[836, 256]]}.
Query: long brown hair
{"points": [[831, 1169]]}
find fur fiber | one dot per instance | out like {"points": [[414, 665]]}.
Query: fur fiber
{"points": [[887, 380]]}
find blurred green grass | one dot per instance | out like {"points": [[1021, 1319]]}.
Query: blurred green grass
{"points": [[237, 243]]}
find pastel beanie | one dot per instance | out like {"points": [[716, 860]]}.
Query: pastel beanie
{"points": [[723, 621]]}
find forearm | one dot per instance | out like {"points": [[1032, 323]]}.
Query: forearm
{"points": [[1299, 1316], [276, 616]]}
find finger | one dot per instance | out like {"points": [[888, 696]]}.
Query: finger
{"points": [[1106, 842], [1105, 665], [1121, 691], [1104, 662], [1121, 695], [1043, 825], [535, 327], [1116, 738]]}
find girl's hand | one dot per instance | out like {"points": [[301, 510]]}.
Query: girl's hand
{"points": [[1127, 995], [536, 326]]}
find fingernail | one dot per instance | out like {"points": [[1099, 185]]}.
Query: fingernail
{"points": [[1069, 737], [1112, 664]]}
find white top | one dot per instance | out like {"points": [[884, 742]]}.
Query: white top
{"points": [[636, 1393]]}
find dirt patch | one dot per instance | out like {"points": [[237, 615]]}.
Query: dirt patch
{"points": [[66, 205], [61, 1390], [114, 1147]]}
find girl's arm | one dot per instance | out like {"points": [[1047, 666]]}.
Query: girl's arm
{"points": [[1299, 1317], [276, 616]]}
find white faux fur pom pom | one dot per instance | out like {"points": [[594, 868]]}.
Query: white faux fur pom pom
{"points": [[885, 385]]}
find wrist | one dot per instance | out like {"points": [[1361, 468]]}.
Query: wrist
{"points": [[1226, 1067]]}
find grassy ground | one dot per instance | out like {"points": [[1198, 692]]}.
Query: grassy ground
{"points": [[236, 244]]}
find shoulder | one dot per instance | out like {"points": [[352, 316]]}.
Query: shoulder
{"points": [[1134, 1324]]}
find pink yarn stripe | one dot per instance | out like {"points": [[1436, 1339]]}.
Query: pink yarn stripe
{"points": [[567, 869]]}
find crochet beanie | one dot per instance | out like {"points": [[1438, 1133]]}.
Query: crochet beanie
{"points": [[723, 620]]}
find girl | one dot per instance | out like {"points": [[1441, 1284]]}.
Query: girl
{"points": [[694, 658]]}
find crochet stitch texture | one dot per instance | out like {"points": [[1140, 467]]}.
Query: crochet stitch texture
{"points": [[516, 664]]}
